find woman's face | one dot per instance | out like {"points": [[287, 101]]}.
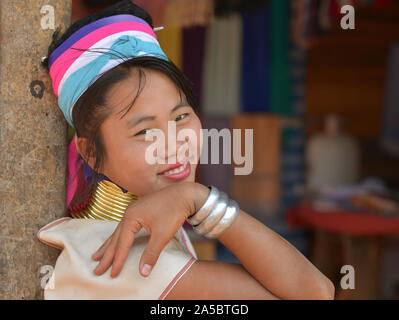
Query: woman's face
{"points": [[126, 162]]}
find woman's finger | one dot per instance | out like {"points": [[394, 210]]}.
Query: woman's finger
{"points": [[108, 256], [125, 242], [100, 251], [151, 252]]}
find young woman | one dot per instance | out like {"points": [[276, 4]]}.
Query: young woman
{"points": [[124, 89]]}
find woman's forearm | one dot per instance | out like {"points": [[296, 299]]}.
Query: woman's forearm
{"points": [[272, 260]]}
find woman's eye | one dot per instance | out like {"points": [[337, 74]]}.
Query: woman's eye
{"points": [[181, 116], [142, 132]]}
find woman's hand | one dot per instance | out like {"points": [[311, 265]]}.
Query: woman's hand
{"points": [[161, 213]]}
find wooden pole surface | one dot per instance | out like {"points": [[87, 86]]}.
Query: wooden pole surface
{"points": [[33, 143]]}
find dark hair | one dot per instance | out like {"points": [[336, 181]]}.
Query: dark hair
{"points": [[90, 110]]}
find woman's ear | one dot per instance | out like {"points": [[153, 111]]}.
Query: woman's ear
{"points": [[81, 145]]}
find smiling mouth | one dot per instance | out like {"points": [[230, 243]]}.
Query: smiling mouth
{"points": [[176, 170]]}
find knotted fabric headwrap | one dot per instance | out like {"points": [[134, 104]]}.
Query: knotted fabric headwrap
{"points": [[95, 49]]}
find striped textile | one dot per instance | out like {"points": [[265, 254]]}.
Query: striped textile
{"points": [[95, 49]]}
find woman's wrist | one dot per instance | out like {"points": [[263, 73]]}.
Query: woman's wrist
{"points": [[214, 214], [195, 194]]}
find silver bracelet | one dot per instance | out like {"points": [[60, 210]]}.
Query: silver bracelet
{"points": [[227, 220], [214, 217], [206, 208], [216, 214]]}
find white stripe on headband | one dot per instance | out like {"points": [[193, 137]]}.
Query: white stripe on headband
{"points": [[106, 43]]}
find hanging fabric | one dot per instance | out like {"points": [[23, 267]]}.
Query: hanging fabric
{"points": [[221, 81], [255, 68], [390, 123], [297, 55], [298, 24], [324, 15], [293, 134], [279, 72], [193, 56]]}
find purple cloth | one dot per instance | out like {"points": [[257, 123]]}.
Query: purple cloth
{"points": [[88, 172], [255, 68], [193, 55]]}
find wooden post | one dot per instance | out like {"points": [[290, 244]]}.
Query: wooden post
{"points": [[33, 143]]}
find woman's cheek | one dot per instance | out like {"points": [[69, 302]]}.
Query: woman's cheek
{"points": [[137, 155], [141, 177]]}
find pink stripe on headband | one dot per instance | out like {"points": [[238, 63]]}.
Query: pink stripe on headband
{"points": [[61, 65]]}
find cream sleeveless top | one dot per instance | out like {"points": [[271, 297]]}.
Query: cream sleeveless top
{"points": [[73, 276]]}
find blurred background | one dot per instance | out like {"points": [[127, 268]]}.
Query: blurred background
{"points": [[323, 102]]}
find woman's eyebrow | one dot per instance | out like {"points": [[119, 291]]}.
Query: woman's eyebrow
{"points": [[180, 105], [134, 121]]}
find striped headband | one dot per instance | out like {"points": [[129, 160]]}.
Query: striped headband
{"points": [[109, 42]]}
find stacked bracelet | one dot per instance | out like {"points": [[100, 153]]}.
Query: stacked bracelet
{"points": [[216, 214]]}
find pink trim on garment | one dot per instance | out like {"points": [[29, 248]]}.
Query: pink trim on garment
{"points": [[176, 278], [185, 243], [53, 224]]}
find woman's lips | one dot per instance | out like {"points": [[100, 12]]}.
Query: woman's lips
{"points": [[175, 165], [179, 172]]}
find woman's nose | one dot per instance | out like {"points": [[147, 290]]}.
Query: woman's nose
{"points": [[171, 152]]}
